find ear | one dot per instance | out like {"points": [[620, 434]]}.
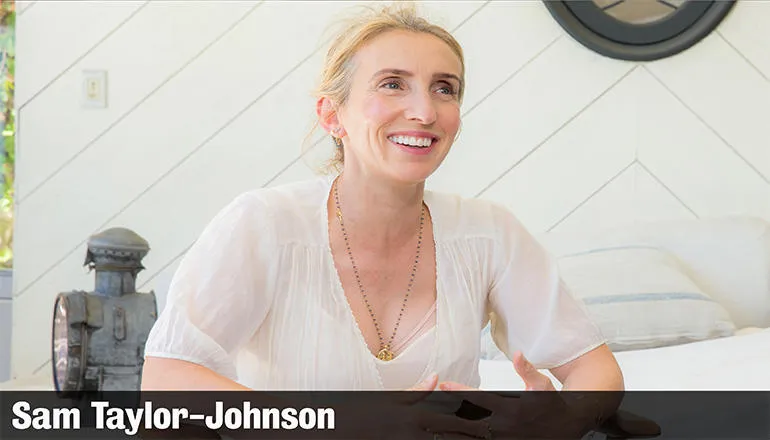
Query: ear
{"points": [[327, 117]]}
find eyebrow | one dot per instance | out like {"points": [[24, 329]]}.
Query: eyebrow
{"points": [[402, 72]]}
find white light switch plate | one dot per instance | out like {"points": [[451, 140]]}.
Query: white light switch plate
{"points": [[94, 89]]}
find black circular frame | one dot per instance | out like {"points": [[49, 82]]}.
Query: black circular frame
{"points": [[594, 28]]}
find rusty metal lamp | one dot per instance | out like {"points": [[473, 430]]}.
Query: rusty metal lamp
{"points": [[98, 337]]}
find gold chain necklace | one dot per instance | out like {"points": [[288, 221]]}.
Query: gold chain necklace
{"points": [[385, 352]]}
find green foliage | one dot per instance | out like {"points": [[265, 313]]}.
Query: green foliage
{"points": [[8, 123]]}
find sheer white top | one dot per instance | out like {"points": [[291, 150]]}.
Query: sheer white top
{"points": [[257, 298]]}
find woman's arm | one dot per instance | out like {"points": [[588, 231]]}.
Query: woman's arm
{"points": [[596, 370], [594, 385], [219, 297], [162, 374], [592, 389]]}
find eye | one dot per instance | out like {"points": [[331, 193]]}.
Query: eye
{"points": [[391, 84], [446, 89]]}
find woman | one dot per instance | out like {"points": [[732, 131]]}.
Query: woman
{"points": [[363, 279]]}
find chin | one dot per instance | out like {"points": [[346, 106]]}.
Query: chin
{"points": [[413, 168], [413, 173]]}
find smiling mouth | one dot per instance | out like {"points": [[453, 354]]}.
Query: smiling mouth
{"points": [[412, 141]]}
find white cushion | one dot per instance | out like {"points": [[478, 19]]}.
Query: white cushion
{"points": [[641, 297], [727, 257], [737, 363]]}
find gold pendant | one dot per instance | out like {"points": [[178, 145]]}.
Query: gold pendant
{"points": [[385, 355]]}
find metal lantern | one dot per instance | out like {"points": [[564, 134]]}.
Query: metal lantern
{"points": [[99, 337]]}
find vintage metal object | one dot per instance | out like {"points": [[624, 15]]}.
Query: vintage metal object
{"points": [[99, 337]]}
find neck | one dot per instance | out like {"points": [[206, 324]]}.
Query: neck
{"points": [[387, 214]]}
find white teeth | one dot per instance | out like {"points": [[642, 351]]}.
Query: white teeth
{"points": [[412, 141]]}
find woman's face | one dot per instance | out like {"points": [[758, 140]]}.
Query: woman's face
{"points": [[403, 110]]}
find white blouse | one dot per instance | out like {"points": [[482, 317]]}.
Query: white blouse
{"points": [[258, 299]]}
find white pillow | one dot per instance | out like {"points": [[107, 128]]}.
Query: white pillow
{"points": [[489, 350], [641, 297]]}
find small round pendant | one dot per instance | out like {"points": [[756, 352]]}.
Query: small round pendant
{"points": [[385, 355]]}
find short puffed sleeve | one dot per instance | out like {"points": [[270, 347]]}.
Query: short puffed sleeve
{"points": [[531, 309], [221, 291]]}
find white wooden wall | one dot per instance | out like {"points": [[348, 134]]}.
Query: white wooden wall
{"points": [[208, 99]]}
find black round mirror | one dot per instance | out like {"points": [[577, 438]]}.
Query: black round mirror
{"points": [[639, 30]]}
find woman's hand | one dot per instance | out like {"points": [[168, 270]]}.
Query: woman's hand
{"points": [[534, 380], [539, 414], [408, 414]]}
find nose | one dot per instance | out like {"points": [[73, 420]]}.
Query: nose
{"points": [[421, 108]]}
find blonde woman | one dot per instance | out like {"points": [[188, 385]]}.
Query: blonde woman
{"points": [[364, 280]]}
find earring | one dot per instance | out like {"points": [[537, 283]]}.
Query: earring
{"points": [[337, 139]]}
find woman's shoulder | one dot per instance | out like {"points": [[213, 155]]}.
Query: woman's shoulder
{"points": [[302, 194], [460, 216], [289, 211]]}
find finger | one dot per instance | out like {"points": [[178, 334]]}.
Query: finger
{"points": [[423, 390], [484, 399], [455, 386], [444, 423], [533, 379], [429, 384]]}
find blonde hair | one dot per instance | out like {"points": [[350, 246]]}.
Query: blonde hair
{"points": [[337, 73]]}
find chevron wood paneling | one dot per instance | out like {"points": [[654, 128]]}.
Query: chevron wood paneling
{"points": [[744, 30], [152, 54], [47, 45], [654, 201], [633, 195], [581, 157], [171, 125], [609, 205], [683, 151], [209, 100], [247, 154], [732, 97]]}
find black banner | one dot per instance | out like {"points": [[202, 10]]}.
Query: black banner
{"points": [[385, 415]]}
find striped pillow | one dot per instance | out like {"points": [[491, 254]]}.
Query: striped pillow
{"points": [[641, 297]]}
